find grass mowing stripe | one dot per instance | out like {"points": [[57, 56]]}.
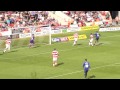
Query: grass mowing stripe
{"points": [[80, 71], [14, 48], [48, 52], [59, 50]]}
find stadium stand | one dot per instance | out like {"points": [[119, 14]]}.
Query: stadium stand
{"points": [[15, 19], [86, 18]]}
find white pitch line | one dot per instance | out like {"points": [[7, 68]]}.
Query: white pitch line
{"points": [[79, 71]]}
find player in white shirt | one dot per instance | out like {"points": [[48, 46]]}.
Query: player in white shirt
{"points": [[7, 44], [75, 39], [55, 55], [91, 39]]}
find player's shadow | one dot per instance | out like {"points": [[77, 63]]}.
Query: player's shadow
{"points": [[36, 46], [92, 76], [60, 64], [79, 44], [13, 51], [1, 53], [99, 44], [9, 52]]}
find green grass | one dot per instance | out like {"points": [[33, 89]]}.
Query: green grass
{"points": [[36, 63]]}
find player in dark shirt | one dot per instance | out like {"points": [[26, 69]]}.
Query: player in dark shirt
{"points": [[97, 36], [86, 66], [32, 41]]}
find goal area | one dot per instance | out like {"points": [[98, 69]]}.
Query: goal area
{"points": [[21, 36]]}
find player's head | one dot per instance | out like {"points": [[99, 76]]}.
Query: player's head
{"points": [[54, 48], [90, 33], [85, 59]]}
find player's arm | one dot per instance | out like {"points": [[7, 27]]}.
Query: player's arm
{"points": [[58, 54]]}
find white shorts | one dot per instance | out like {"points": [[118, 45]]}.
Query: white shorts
{"points": [[91, 40], [54, 58], [75, 39], [8, 46]]}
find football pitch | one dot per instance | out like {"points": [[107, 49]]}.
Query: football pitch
{"points": [[36, 63]]}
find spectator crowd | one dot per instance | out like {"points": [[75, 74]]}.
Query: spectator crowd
{"points": [[15, 19], [83, 17]]}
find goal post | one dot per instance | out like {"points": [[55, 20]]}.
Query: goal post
{"points": [[50, 34], [21, 36]]}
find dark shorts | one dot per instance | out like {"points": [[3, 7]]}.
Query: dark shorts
{"points": [[97, 39], [86, 70], [32, 41]]}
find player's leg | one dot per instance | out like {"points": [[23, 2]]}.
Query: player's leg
{"points": [[33, 43], [56, 62], [30, 45], [91, 42], [74, 42], [97, 40], [53, 63], [5, 48], [8, 48], [85, 73]]}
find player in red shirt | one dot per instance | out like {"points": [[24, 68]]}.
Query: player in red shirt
{"points": [[55, 55], [75, 38], [91, 39], [7, 43]]}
